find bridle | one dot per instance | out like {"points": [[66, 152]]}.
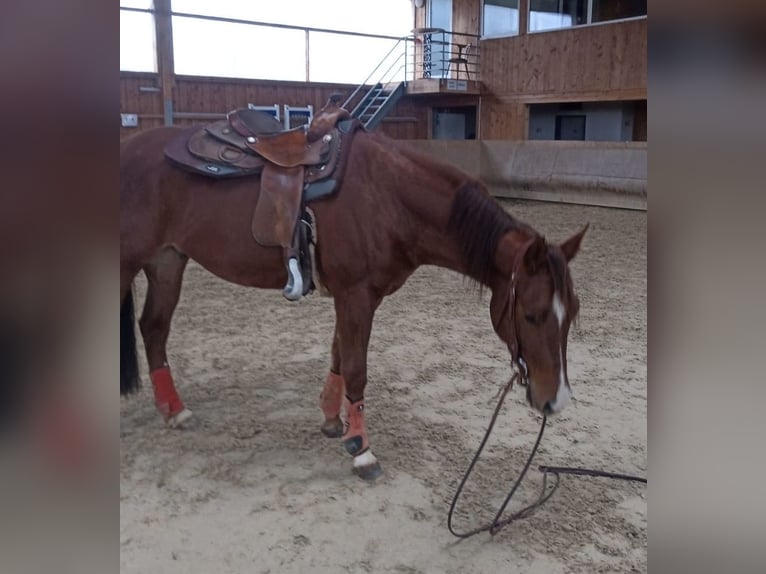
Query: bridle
{"points": [[518, 364], [521, 375]]}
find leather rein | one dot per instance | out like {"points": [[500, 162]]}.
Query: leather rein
{"points": [[520, 374]]}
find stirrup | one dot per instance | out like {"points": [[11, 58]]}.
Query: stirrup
{"points": [[293, 291]]}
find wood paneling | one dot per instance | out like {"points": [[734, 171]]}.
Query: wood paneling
{"points": [[200, 95], [465, 16], [591, 63], [148, 105], [503, 120], [604, 59]]}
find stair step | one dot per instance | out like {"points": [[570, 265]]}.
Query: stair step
{"points": [[377, 103]]}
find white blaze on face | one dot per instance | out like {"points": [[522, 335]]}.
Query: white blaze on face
{"points": [[564, 393], [558, 309]]}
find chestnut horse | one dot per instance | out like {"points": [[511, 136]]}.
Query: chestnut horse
{"points": [[396, 209]]}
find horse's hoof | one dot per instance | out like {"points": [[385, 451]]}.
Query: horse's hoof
{"points": [[332, 428], [180, 420], [369, 472]]}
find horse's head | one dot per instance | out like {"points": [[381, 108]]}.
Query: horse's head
{"points": [[532, 310]]}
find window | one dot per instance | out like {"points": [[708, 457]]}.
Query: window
{"points": [[500, 18], [137, 39], [549, 14], [552, 14], [590, 121], [605, 10]]}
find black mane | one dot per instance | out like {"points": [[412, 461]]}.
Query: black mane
{"points": [[478, 222]]}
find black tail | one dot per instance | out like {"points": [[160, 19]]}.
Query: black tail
{"points": [[129, 382]]}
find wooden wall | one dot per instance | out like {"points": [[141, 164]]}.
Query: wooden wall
{"points": [[148, 105], [466, 16], [200, 95], [591, 63], [588, 63]]}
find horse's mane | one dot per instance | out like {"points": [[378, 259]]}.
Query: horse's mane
{"points": [[478, 222]]}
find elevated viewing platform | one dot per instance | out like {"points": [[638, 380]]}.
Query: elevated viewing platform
{"points": [[442, 61], [432, 86]]}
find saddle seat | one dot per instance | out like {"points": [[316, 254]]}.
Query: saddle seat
{"points": [[253, 123], [295, 166]]}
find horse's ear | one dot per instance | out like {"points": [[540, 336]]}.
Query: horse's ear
{"points": [[572, 245], [536, 255]]}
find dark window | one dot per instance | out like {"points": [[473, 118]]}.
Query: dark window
{"points": [[605, 10], [551, 14]]}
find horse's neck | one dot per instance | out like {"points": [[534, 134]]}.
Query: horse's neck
{"points": [[426, 191], [429, 193]]}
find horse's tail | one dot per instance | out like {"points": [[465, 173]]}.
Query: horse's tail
{"points": [[129, 381]]}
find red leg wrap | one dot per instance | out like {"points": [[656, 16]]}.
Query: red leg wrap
{"points": [[355, 438], [165, 395], [332, 395]]}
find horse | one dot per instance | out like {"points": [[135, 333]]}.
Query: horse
{"points": [[395, 210]]}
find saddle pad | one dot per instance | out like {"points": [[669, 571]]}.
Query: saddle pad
{"points": [[202, 145], [278, 207]]}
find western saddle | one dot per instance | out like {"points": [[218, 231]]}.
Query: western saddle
{"points": [[295, 166]]}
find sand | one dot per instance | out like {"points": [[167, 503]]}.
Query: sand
{"points": [[254, 487]]}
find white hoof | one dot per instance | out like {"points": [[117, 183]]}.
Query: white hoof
{"points": [[365, 459], [177, 420]]}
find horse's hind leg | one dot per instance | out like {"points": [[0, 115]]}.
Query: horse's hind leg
{"points": [[164, 274]]}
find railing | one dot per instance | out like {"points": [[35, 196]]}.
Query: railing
{"points": [[427, 53], [392, 65], [440, 53]]}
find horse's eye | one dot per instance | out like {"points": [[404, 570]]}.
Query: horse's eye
{"points": [[537, 319]]}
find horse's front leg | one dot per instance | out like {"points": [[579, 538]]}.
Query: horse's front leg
{"points": [[354, 311]]}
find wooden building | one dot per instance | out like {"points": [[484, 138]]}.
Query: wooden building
{"points": [[549, 68], [577, 72]]}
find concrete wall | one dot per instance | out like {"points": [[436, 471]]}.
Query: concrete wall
{"points": [[611, 174], [463, 154]]}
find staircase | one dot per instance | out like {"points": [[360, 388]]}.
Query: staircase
{"points": [[382, 94], [377, 102]]}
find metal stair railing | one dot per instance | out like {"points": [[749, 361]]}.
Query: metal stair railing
{"points": [[383, 93]]}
